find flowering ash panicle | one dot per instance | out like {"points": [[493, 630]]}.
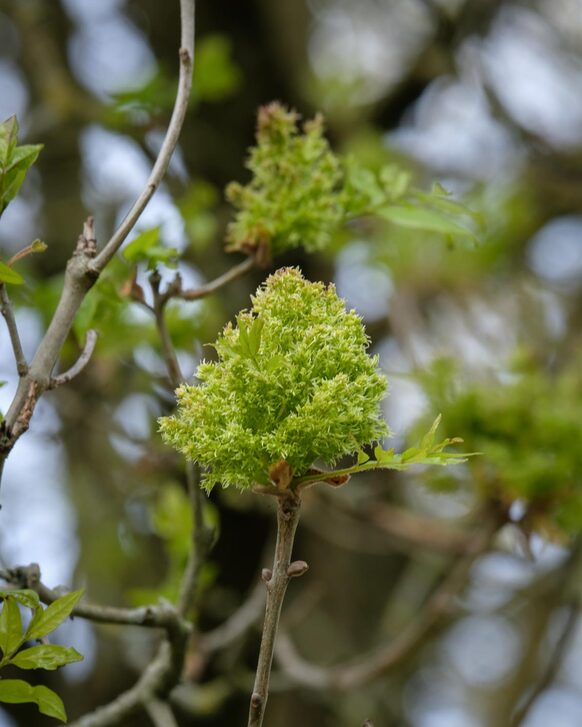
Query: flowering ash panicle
{"points": [[293, 382]]}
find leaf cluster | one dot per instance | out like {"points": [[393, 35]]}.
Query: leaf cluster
{"points": [[527, 427], [14, 164], [293, 382], [15, 652]]}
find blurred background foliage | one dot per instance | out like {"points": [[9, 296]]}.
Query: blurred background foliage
{"points": [[484, 96]]}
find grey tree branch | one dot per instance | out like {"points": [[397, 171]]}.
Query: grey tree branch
{"points": [[85, 265], [288, 508], [8, 313], [170, 140], [79, 364], [162, 616]]}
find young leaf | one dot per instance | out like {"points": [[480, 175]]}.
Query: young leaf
{"points": [[8, 275], [10, 626], [146, 247], [45, 656], [424, 219], [428, 439], [24, 596], [49, 703], [254, 336], [16, 691], [363, 457], [46, 621], [14, 161], [8, 136]]}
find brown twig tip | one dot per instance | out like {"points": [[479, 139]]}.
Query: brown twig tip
{"points": [[86, 243], [297, 568]]}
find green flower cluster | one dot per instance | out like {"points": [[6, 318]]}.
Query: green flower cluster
{"points": [[293, 382], [293, 197]]}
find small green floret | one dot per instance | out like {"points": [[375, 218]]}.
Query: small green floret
{"points": [[293, 382], [293, 197]]}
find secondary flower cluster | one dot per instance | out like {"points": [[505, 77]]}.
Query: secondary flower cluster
{"points": [[293, 382], [294, 196]]}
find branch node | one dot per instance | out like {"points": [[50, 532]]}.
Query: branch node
{"points": [[256, 700]]}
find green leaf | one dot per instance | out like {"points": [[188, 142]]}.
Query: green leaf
{"points": [[14, 161], [11, 635], [25, 596], [428, 439], [16, 691], [49, 703], [146, 247], [46, 621], [8, 136], [8, 275], [424, 219], [363, 457], [254, 335], [215, 75], [45, 656]]}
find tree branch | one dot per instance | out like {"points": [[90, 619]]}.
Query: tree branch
{"points": [[80, 363], [288, 508], [162, 616], [8, 313], [170, 140], [85, 265]]}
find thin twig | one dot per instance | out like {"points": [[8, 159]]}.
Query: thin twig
{"points": [[80, 363], [159, 616], [170, 140], [8, 313], [237, 624], [168, 351], [371, 665], [288, 509], [552, 668], [211, 287]]}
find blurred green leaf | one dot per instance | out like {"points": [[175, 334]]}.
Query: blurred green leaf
{"points": [[45, 656], [14, 161], [8, 275], [215, 74], [16, 691], [146, 247], [420, 218]]}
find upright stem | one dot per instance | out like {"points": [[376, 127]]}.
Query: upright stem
{"points": [[276, 582]]}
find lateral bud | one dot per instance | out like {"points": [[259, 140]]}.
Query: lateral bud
{"points": [[266, 574], [297, 568]]}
